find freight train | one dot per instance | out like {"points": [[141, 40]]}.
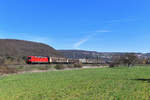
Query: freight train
{"points": [[59, 60], [49, 60]]}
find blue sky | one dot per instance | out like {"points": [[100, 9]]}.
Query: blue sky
{"points": [[100, 25]]}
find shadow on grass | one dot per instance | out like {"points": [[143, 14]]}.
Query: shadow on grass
{"points": [[142, 79]]}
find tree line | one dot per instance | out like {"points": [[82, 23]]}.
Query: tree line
{"points": [[128, 59]]}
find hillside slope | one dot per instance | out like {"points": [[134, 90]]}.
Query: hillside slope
{"points": [[15, 48]]}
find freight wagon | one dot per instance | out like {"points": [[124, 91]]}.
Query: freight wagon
{"points": [[92, 61], [57, 60]]}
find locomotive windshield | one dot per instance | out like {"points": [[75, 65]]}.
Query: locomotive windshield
{"points": [[29, 57]]}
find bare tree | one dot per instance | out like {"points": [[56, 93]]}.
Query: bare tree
{"points": [[129, 59]]}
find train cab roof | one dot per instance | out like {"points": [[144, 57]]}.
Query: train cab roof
{"points": [[38, 56]]}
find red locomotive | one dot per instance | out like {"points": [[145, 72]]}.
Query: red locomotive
{"points": [[37, 60]]}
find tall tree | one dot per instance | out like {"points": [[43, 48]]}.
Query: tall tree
{"points": [[129, 59]]}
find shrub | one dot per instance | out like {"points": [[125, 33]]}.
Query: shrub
{"points": [[113, 65], [10, 58], [21, 67], [4, 69], [59, 66], [77, 65], [70, 66], [43, 68]]}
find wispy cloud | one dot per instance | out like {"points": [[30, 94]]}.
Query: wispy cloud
{"points": [[103, 31], [123, 20], [82, 41], [88, 37]]}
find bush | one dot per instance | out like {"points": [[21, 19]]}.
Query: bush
{"points": [[77, 65], [59, 66], [10, 58], [70, 66], [4, 69], [43, 68], [113, 65]]}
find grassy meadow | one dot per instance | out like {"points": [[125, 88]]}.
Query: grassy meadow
{"points": [[120, 83]]}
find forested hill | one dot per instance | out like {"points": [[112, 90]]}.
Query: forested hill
{"points": [[15, 48]]}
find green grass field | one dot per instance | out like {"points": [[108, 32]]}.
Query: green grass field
{"points": [[85, 84]]}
